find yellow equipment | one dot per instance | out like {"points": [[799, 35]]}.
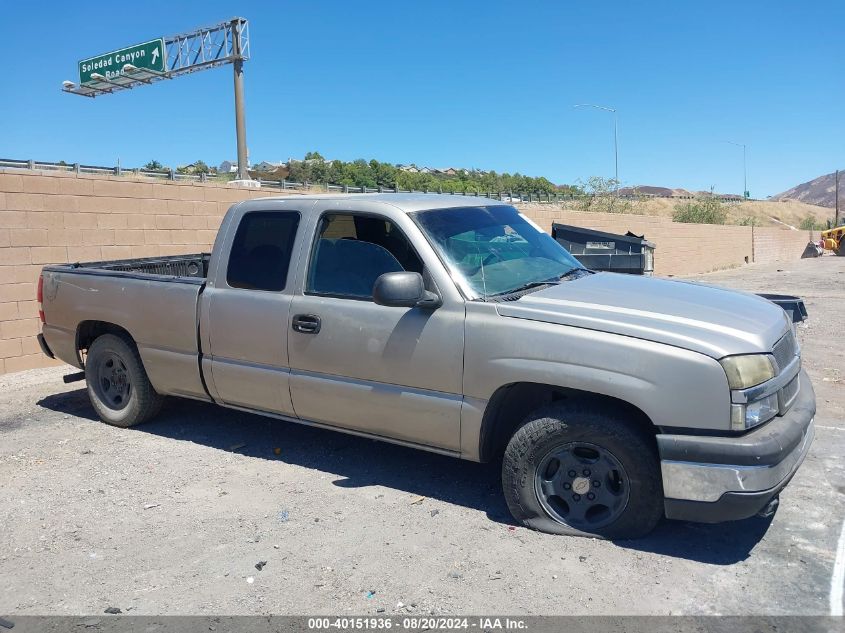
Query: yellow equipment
{"points": [[834, 240]]}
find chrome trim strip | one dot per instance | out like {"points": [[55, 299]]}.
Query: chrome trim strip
{"points": [[783, 403], [708, 482], [743, 396]]}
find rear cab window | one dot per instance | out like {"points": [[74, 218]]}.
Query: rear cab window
{"points": [[261, 251]]}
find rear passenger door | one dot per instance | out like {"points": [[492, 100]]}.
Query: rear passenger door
{"points": [[246, 311]]}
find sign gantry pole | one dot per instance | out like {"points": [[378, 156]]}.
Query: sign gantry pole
{"points": [[240, 122], [168, 58]]}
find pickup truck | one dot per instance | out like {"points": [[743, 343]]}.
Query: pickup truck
{"points": [[456, 325]]}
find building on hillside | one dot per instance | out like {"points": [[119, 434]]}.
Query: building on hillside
{"points": [[268, 166], [193, 168], [270, 170], [411, 169], [228, 167]]}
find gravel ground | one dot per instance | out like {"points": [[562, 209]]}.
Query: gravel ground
{"points": [[173, 517]]}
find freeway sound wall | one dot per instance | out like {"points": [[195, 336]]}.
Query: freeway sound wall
{"points": [[57, 217]]}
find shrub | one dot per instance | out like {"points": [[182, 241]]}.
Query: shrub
{"points": [[810, 223], [598, 195], [704, 210]]}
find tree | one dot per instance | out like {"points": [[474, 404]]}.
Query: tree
{"points": [[153, 165], [201, 168], [373, 173]]}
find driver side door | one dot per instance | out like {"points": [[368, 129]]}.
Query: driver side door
{"points": [[387, 371]]}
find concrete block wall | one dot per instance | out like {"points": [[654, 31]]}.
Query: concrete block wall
{"points": [[52, 217], [48, 218], [687, 249], [773, 244]]}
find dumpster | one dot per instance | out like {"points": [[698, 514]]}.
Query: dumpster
{"points": [[598, 250], [793, 306]]}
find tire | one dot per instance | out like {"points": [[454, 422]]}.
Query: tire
{"points": [[617, 473], [118, 386], [840, 250]]}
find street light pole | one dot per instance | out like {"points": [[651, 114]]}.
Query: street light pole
{"points": [[615, 137], [616, 150]]}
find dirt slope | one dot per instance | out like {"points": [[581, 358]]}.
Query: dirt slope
{"points": [[820, 191]]}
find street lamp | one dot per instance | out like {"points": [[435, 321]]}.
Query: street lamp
{"points": [[615, 135], [744, 169]]}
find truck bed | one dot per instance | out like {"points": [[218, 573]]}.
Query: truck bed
{"points": [[154, 299], [193, 266]]}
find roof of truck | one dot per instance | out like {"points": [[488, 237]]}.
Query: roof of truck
{"points": [[407, 202]]}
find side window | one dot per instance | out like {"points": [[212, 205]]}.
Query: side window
{"points": [[352, 251], [261, 250]]}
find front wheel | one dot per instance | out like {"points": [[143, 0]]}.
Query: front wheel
{"points": [[585, 473], [118, 386]]}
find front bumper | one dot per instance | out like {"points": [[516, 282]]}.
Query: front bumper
{"points": [[713, 479]]}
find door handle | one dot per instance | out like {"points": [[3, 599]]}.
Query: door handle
{"points": [[306, 323]]}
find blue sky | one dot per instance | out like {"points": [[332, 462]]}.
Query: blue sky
{"points": [[471, 84]]}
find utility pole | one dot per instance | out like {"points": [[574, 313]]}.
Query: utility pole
{"points": [[836, 217], [240, 119]]}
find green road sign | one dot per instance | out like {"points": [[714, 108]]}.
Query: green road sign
{"points": [[149, 56]]}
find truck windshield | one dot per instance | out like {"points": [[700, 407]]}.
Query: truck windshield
{"points": [[495, 250]]}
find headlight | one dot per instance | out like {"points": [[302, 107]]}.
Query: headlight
{"points": [[746, 371], [745, 416]]}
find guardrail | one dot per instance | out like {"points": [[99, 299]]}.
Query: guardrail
{"points": [[173, 175]]}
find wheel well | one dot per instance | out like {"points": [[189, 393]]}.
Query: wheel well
{"points": [[87, 331], [512, 403]]}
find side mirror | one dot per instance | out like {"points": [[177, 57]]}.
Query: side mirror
{"points": [[403, 290]]}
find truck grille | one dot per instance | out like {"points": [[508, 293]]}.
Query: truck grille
{"points": [[785, 350]]}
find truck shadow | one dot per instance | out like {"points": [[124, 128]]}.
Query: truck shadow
{"points": [[358, 462]]}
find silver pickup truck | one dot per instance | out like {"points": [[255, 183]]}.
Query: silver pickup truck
{"points": [[454, 324]]}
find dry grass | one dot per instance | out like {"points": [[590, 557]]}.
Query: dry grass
{"points": [[766, 213]]}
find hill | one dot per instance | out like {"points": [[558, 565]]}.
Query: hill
{"points": [[764, 212], [820, 191], [785, 214], [667, 192]]}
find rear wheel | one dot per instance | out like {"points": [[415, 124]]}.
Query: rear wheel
{"points": [[118, 386], [841, 248], [582, 472]]}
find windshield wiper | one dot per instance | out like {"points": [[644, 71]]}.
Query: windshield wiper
{"points": [[528, 286], [571, 272], [574, 273]]}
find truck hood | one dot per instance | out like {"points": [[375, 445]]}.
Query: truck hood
{"points": [[706, 319]]}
